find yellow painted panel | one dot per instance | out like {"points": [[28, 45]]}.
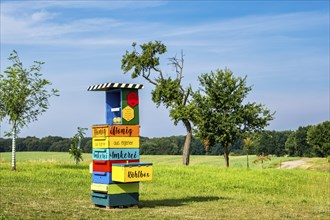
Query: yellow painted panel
{"points": [[116, 142], [115, 188], [126, 174], [98, 187], [91, 168], [101, 142], [124, 142]]}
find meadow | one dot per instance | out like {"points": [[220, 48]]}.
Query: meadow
{"points": [[48, 185]]}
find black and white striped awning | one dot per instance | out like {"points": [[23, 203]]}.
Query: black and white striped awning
{"points": [[109, 86]]}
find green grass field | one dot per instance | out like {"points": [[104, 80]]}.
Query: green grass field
{"points": [[50, 186]]}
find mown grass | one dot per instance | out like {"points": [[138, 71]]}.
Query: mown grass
{"points": [[50, 186]]}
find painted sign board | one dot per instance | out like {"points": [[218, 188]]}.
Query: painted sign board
{"points": [[124, 142], [115, 188], [124, 131], [100, 154], [133, 172], [116, 142], [115, 199], [100, 131], [107, 130], [116, 154]]}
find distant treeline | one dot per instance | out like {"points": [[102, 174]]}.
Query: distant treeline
{"points": [[279, 143], [49, 143]]}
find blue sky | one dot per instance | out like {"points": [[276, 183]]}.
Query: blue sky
{"points": [[281, 46]]}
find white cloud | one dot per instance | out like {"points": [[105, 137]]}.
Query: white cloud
{"points": [[281, 54], [37, 23], [41, 16], [29, 23], [23, 6]]}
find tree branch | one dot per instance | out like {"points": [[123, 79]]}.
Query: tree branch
{"points": [[185, 98], [148, 79], [160, 73]]}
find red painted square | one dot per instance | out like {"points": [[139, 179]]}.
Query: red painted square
{"points": [[106, 165], [132, 99]]}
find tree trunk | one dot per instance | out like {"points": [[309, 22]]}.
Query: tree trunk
{"points": [[79, 142], [187, 143], [247, 160], [226, 155], [207, 146], [13, 151], [78, 149]]}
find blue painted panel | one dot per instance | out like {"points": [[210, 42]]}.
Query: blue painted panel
{"points": [[100, 154], [124, 154], [116, 154], [113, 101], [100, 199], [115, 199], [102, 177]]}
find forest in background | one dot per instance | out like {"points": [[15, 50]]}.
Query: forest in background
{"points": [[279, 143]]}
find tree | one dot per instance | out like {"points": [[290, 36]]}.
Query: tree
{"points": [[31, 143], [168, 91], [296, 143], [303, 148], [87, 147], [248, 144], [291, 145], [272, 142], [220, 112], [23, 96], [75, 148], [318, 137], [261, 158]]}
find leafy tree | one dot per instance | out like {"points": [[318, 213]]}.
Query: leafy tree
{"points": [[87, 146], [23, 96], [31, 143], [197, 147], [220, 112], [75, 148], [296, 143], [4, 145], [272, 142], [217, 149], [261, 158], [60, 146], [47, 143], [168, 91], [279, 140], [318, 137], [303, 149], [290, 144]]}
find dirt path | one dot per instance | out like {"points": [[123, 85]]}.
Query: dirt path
{"points": [[292, 164]]}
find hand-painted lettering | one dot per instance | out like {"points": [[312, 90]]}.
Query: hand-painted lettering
{"points": [[99, 131], [137, 174], [123, 155], [115, 130]]}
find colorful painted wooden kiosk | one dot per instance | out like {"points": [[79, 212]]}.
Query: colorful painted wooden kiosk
{"points": [[116, 167]]}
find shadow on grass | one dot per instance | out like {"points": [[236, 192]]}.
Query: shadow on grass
{"points": [[180, 201]]}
